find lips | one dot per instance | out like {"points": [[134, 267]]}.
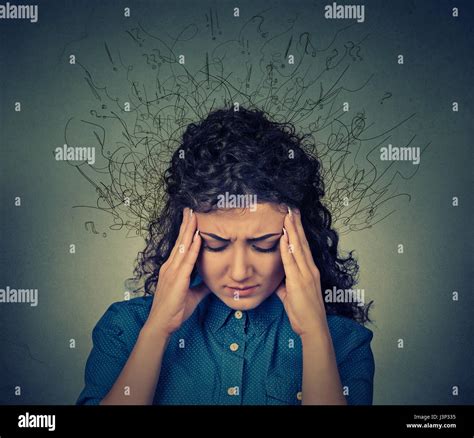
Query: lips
{"points": [[242, 292], [242, 287]]}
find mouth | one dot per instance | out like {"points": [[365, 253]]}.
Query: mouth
{"points": [[242, 291]]}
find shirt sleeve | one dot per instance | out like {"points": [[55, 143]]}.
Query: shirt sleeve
{"points": [[107, 358], [357, 367]]}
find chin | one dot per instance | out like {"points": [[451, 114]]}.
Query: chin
{"points": [[247, 303]]}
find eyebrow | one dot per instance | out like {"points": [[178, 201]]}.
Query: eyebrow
{"points": [[251, 240]]}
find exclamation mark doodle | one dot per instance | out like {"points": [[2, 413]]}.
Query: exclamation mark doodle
{"points": [[207, 69], [212, 24], [249, 74], [217, 23], [110, 56]]}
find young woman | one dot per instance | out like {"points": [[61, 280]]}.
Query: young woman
{"points": [[235, 309]]}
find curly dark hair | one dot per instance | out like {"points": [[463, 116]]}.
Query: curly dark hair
{"points": [[244, 152]]}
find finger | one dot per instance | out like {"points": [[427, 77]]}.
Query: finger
{"points": [[295, 245], [182, 230], [186, 241], [180, 272], [303, 240], [191, 256], [289, 263]]}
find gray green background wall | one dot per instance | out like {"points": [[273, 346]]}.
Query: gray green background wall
{"points": [[412, 291]]}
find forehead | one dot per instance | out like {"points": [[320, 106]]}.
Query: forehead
{"points": [[267, 218]]}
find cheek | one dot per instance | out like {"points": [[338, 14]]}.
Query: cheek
{"points": [[274, 264], [213, 265], [268, 265], [272, 272], [210, 264], [276, 272]]}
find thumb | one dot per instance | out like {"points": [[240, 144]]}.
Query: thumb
{"points": [[195, 296], [281, 291], [200, 292]]}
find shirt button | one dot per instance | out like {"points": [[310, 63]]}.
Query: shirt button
{"points": [[299, 396], [233, 390], [234, 346], [238, 314]]}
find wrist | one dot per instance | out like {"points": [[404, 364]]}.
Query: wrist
{"points": [[155, 333], [318, 332]]}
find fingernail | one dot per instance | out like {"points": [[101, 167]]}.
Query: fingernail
{"points": [[191, 212], [285, 234], [290, 213], [195, 234]]}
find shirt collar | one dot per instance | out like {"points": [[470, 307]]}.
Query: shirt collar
{"points": [[263, 316], [259, 319]]}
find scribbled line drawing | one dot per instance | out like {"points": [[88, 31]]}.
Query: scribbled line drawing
{"points": [[165, 96], [23, 348], [90, 226], [14, 352], [387, 95]]}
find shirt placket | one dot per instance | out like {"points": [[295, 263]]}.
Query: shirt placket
{"points": [[233, 358]]}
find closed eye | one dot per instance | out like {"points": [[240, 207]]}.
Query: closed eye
{"points": [[272, 249], [256, 248], [210, 248]]}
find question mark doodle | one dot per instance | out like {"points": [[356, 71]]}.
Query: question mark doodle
{"points": [[387, 95]]}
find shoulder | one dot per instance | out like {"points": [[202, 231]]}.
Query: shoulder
{"points": [[355, 359], [124, 317], [348, 335]]}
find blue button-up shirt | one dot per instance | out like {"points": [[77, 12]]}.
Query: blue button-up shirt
{"points": [[220, 356]]}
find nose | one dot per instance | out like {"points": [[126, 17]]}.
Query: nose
{"points": [[240, 267]]}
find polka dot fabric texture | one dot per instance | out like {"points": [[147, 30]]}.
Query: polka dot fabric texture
{"points": [[220, 356]]}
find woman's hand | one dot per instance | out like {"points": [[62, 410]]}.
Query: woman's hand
{"points": [[303, 302], [174, 301], [300, 292], [172, 304]]}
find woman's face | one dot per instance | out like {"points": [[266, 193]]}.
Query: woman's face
{"points": [[240, 248]]}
